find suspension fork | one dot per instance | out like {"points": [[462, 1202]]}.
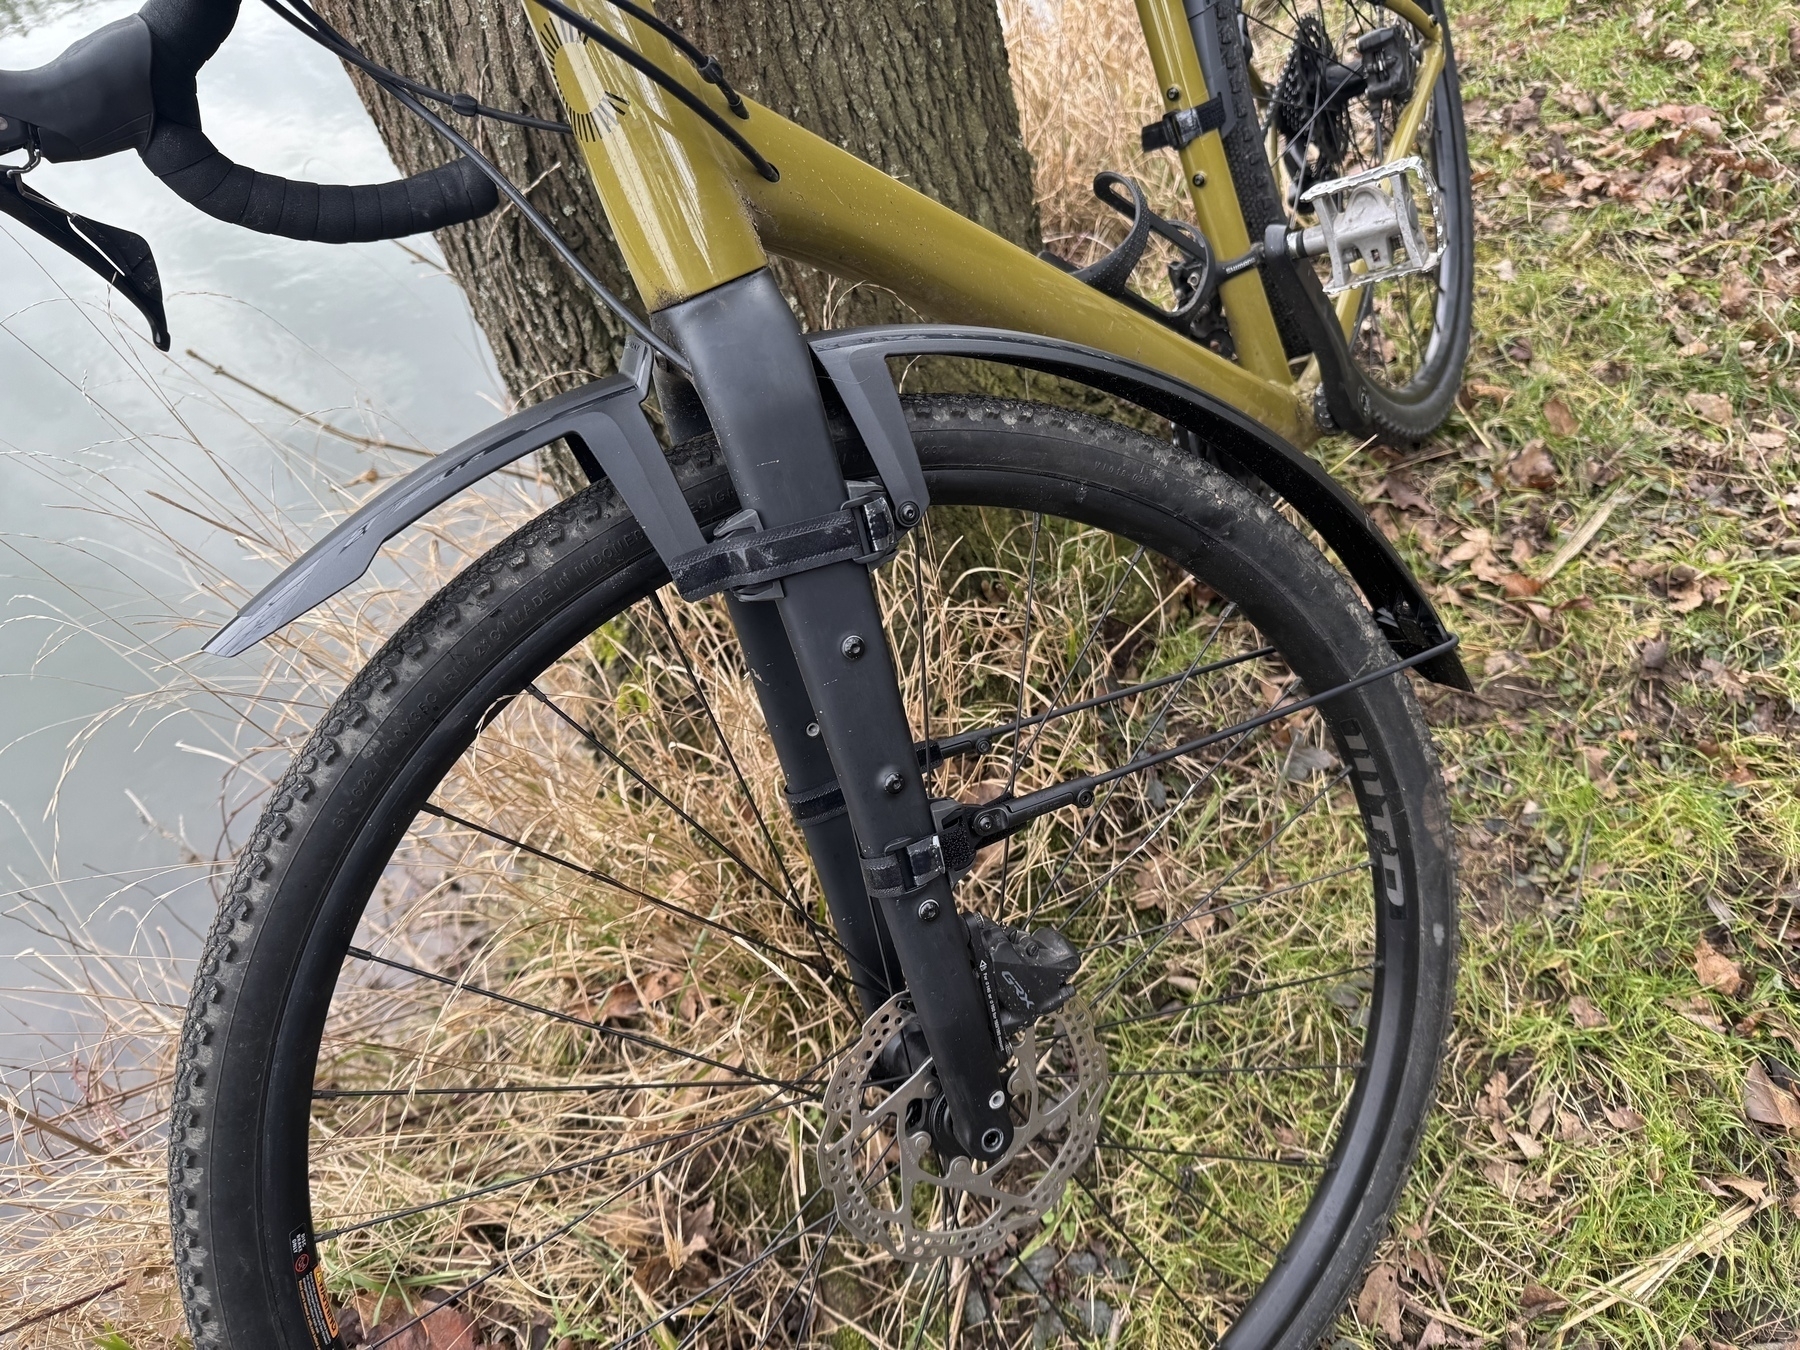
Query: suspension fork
{"points": [[829, 665]]}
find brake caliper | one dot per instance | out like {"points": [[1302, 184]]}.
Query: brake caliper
{"points": [[1024, 976]]}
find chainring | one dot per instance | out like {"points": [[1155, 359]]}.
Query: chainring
{"points": [[889, 1182]]}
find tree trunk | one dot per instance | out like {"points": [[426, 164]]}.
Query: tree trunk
{"points": [[921, 90]]}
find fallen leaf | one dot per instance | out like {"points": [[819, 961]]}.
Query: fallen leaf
{"points": [[1767, 440], [1432, 1337], [1571, 1128], [1749, 1187], [1623, 1119], [1699, 1011], [1540, 1111], [621, 1001], [1514, 1182], [1714, 408], [1505, 271], [659, 984], [1537, 1301], [1499, 393], [1724, 678], [1518, 586], [1735, 296], [1717, 970], [1519, 349], [1681, 50], [1475, 541], [1402, 492], [1492, 1103], [1585, 1014], [1378, 1305], [1654, 654], [1560, 419], [1767, 1104], [444, 1327], [1526, 1144], [1595, 755], [1532, 467]]}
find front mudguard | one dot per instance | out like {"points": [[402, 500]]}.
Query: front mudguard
{"points": [[612, 436]]}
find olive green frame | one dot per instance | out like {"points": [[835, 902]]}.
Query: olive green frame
{"points": [[690, 213]]}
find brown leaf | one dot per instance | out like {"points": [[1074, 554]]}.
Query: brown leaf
{"points": [[1717, 970], [1537, 1301], [1735, 297], [1561, 421], [1532, 467], [1526, 1144], [1723, 677], [1540, 1111], [1402, 492], [1654, 654], [1681, 50], [1432, 1337], [1378, 1305], [1767, 1104], [1584, 1013], [1518, 586], [446, 1327], [1492, 1103], [1714, 408], [1748, 1187], [1571, 1128], [621, 1001], [1514, 1182], [1623, 1119], [1475, 389]]}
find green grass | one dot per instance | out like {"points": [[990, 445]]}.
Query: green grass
{"points": [[1614, 811]]}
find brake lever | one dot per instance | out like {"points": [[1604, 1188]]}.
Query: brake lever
{"points": [[120, 256]]}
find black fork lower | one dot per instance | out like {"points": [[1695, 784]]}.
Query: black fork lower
{"points": [[824, 672]]}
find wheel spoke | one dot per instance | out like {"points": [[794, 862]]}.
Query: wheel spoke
{"points": [[617, 1033], [606, 879], [1258, 1159], [655, 791], [1255, 991], [557, 1170], [1245, 903]]}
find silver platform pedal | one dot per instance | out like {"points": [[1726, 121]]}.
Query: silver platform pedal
{"points": [[1371, 218]]}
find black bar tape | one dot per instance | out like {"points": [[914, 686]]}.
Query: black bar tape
{"points": [[184, 34]]}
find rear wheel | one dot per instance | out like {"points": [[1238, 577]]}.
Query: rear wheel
{"points": [[521, 1007], [1288, 60]]}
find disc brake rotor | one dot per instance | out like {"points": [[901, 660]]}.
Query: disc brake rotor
{"points": [[894, 1188]]}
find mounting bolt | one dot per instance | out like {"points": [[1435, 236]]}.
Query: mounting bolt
{"points": [[928, 910], [1085, 797], [1199, 180], [988, 822], [984, 745], [853, 647], [812, 728], [1172, 93], [992, 1141], [893, 784], [908, 513], [996, 1101]]}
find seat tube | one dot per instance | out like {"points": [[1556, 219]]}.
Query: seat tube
{"points": [[755, 376]]}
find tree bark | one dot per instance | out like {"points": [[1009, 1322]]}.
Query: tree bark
{"points": [[921, 90]]}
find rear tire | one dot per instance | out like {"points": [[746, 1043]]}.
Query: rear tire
{"points": [[1406, 394]]}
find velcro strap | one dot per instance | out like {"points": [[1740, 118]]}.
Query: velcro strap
{"points": [[1181, 128], [860, 531], [904, 869], [817, 806]]}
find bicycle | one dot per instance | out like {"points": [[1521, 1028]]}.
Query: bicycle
{"points": [[1112, 1004]]}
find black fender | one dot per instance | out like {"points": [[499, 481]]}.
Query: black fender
{"points": [[856, 361], [605, 424]]}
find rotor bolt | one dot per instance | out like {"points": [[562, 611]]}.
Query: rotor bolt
{"points": [[996, 1101], [928, 910], [853, 647], [908, 513], [1172, 93], [893, 784], [991, 1141]]}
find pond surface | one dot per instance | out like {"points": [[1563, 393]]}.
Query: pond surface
{"points": [[116, 462]]}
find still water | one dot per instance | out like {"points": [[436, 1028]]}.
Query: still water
{"points": [[110, 455]]}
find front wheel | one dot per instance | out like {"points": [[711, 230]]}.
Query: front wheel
{"points": [[522, 1010]]}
